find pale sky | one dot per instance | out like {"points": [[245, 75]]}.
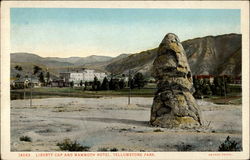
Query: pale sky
{"points": [[65, 32]]}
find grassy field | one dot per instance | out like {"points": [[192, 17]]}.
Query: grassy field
{"points": [[233, 97], [79, 92]]}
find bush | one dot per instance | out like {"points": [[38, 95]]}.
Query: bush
{"points": [[139, 80], [229, 145], [25, 138], [158, 130], [68, 145], [114, 150], [105, 149], [184, 147]]}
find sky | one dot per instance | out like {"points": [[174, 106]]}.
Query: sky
{"points": [[80, 32]]}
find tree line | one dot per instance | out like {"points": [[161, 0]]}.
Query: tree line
{"points": [[219, 86], [37, 72], [137, 81]]}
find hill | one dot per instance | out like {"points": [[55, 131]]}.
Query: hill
{"points": [[55, 65], [213, 55]]}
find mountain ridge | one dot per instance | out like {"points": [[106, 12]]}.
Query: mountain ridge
{"points": [[205, 56], [212, 55]]}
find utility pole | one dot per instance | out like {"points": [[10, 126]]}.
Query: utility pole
{"points": [[31, 90], [225, 87], [129, 81], [24, 89], [24, 93]]}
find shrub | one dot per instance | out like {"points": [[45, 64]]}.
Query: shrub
{"points": [[68, 145], [229, 145], [184, 147], [139, 80], [25, 138], [105, 149], [114, 150], [158, 130]]}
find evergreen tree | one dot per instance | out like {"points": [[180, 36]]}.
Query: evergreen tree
{"points": [[72, 84], [131, 83], [48, 77], [18, 68], [105, 84], [111, 84], [36, 69], [85, 85], [116, 84], [223, 86], [139, 80], [228, 80], [41, 77], [18, 75], [96, 84], [198, 87], [217, 86], [121, 84], [206, 90], [220, 86]]}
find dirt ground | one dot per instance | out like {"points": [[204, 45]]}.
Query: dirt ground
{"points": [[108, 122]]}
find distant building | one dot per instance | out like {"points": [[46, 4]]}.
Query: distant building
{"points": [[87, 75], [209, 77], [234, 79], [237, 80], [59, 83], [25, 83]]}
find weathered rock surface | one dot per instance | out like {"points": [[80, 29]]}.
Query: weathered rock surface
{"points": [[174, 104]]}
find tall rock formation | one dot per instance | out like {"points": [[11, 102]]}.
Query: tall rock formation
{"points": [[174, 104]]}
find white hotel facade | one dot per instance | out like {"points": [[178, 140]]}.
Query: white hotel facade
{"points": [[86, 75]]}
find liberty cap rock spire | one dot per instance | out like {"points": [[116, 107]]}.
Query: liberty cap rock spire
{"points": [[174, 104]]}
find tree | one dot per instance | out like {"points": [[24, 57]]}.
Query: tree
{"points": [[220, 86], [105, 84], [111, 84], [81, 83], [36, 69], [85, 85], [116, 84], [41, 77], [71, 84], [96, 84], [48, 77], [206, 89], [216, 86], [18, 75], [198, 88], [121, 84], [18, 68], [139, 80], [228, 80], [131, 83]]}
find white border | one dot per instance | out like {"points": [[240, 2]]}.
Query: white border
{"points": [[5, 65]]}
